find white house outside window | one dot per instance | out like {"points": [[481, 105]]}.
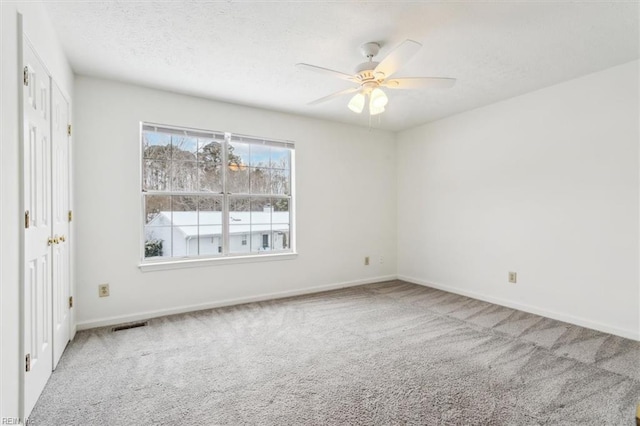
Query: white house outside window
{"points": [[214, 194]]}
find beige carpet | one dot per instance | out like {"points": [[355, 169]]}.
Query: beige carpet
{"points": [[380, 354]]}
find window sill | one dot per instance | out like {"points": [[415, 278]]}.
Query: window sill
{"points": [[230, 260]]}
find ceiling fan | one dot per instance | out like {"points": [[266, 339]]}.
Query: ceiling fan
{"points": [[371, 76]]}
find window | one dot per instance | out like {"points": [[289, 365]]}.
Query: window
{"points": [[214, 194]]}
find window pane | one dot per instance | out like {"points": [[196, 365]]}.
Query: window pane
{"points": [[280, 158], [209, 152], [238, 154], [281, 220], [281, 224], [210, 178], [239, 238], [184, 176], [156, 145], [280, 205], [187, 205], [155, 175], [261, 210], [210, 165], [238, 204], [157, 241], [280, 182], [184, 217], [259, 156], [260, 224], [239, 224], [261, 238], [157, 210], [210, 240], [260, 181], [281, 213], [238, 180], [209, 211], [210, 225], [280, 237], [184, 148], [185, 241]]}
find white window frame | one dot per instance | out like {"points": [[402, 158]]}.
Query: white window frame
{"points": [[226, 257]]}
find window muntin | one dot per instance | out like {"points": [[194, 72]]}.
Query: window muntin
{"points": [[195, 207]]}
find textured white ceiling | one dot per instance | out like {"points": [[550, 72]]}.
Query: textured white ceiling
{"points": [[245, 52]]}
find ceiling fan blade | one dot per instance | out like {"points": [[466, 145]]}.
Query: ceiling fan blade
{"points": [[334, 95], [398, 57], [326, 71], [419, 83]]}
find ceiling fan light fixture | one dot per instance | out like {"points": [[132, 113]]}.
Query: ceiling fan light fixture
{"points": [[356, 104], [378, 99]]}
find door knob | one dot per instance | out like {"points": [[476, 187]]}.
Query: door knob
{"points": [[62, 239]]}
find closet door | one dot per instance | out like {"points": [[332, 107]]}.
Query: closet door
{"points": [[60, 222], [37, 233]]}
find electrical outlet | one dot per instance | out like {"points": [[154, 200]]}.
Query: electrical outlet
{"points": [[103, 290], [513, 277], [381, 259], [366, 261]]}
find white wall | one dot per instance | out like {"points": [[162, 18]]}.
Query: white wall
{"points": [[38, 27], [346, 204], [544, 184]]}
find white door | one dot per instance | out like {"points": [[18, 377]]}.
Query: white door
{"points": [[37, 233], [60, 221]]}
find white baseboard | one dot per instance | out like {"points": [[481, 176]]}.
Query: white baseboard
{"points": [[102, 322], [629, 334]]}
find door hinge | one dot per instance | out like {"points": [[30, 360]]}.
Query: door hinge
{"points": [[70, 215], [70, 302], [27, 363], [68, 129], [27, 221], [25, 76]]}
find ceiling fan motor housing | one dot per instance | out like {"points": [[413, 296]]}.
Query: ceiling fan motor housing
{"points": [[366, 75]]}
